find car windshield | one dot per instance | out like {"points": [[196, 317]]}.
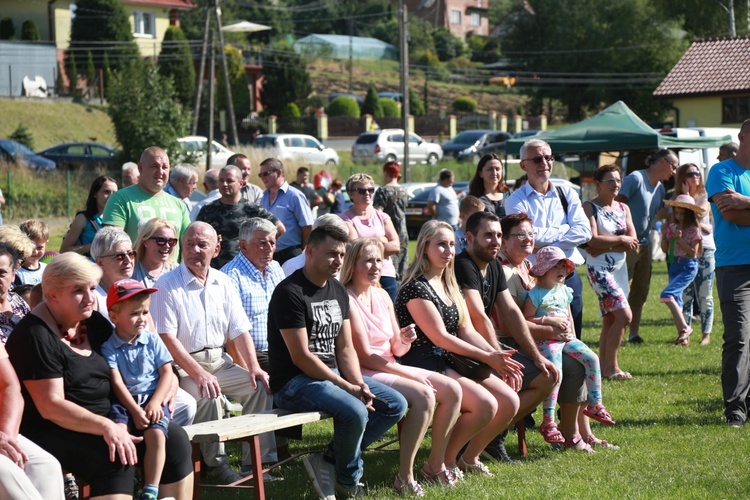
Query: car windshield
{"points": [[16, 148], [468, 137]]}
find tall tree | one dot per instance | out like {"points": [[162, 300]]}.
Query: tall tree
{"points": [[594, 52], [286, 79], [176, 62], [238, 85], [30, 31], [103, 21]]}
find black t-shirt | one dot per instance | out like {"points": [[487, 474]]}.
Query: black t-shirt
{"points": [[299, 303], [423, 353], [37, 353], [469, 276]]}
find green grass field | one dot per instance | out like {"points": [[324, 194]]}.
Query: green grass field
{"points": [[670, 427]]}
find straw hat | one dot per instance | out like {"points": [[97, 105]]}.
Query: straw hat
{"points": [[685, 201]]}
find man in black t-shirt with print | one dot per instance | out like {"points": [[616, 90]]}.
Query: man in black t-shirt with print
{"points": [[480, 275], [313, 365]]}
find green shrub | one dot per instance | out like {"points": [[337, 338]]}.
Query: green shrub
{"points": [[30, 31], [416, 107], [7, 29], [343, 106], [390, 108], [23, 136], [372, 103], [291, 110], [315, 102], [464, 104], [175, 61]]}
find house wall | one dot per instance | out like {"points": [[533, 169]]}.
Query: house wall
{"points": [[439, 15], [25, 59], [701, 112]]}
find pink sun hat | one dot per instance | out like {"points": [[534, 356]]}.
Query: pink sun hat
{"points": [[547, 258], [685, 201]]}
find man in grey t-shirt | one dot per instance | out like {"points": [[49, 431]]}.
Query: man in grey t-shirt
{"points": [[443, 201], [644, 193]]}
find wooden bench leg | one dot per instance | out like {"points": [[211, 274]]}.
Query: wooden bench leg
{"points": [[521, 432], [196, 471], [260, 489]]}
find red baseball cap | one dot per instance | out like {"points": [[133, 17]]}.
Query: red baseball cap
{"points": [[124, 289]]}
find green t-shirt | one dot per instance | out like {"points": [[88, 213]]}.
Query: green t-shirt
{"points": [[131, 207]]}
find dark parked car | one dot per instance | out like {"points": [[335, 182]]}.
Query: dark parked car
{"points": [[491, 142], [81, 155], [416, 209], [462, 141], [14, 152]]}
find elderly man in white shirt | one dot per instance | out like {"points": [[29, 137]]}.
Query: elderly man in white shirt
{"points": [[195, 310]]}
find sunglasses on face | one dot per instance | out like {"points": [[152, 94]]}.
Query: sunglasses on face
{"points": [[263, 175], [119, 257], [364, 191], [161, 241], [540, 159], [693, 174]]}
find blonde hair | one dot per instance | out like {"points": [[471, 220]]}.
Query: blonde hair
{"points": [[421, 264], [354, 251], [147, 231], [18, 240], [35, 229], [358, 179], [67, 270]]}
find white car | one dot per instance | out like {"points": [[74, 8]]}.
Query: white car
{"points": [[194, 147], [388, 145], [300, 148]]}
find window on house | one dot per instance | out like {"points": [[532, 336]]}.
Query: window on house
{"points": [[143, 24], [455, 16], [735, 109], [476, 19]]}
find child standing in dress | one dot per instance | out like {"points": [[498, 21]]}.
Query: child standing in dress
{"points": [[683, 243], [141, 369], [549, 303]]}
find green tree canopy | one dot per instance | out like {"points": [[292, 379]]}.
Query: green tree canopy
{"points": [[372, 103], [22, 135], [7, 29], [144, 111], [103, 21], [176, 62], [286, 80], [447, 45], [594, 52], [237, 83], [30, 31]]}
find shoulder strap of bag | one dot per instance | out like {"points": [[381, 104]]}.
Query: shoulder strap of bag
{"points": [[563, 200]]}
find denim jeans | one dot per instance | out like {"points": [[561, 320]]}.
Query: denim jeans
{"points": [[354, 427], [701, 290], [681, 273]]}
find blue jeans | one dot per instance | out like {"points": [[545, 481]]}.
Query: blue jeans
{"points": [[354, 427], [390, 285], [576, 306], [681, 274], [702, 291]]}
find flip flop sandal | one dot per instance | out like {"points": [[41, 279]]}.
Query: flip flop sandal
{"points": [[619, 376], [573, 444], [595, 442], [549, 431], [599, 413], [683, 337]]}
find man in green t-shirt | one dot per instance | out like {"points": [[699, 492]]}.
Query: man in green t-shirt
{"points": [[131, 207]]}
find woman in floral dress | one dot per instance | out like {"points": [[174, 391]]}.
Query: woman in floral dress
{"points": [[612, 234]]}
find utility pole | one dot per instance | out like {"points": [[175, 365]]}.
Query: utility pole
{"points": [[211, 75], [350, 23], [403, 37]]}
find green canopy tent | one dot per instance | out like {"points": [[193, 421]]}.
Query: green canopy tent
{"points": [[616, 128]]}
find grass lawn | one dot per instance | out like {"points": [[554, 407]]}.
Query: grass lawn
{"points": [[670, 427]]}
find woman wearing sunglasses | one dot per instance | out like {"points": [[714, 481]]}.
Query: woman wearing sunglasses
{"points": [[688, 180], [112, 250], [154, 248], [365, 221]]}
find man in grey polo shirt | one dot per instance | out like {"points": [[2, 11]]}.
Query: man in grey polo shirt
{"points": [[443, 201]]}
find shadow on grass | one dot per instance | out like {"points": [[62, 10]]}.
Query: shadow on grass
{"points": [[702, 412]]}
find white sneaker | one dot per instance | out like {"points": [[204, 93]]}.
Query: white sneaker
{"points": [[322, 474]]}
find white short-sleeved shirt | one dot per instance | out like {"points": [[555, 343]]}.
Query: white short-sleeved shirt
{"points": [[199, 316]]}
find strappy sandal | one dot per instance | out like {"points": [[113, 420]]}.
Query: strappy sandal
{"points": [[441, 477], [595, 442], [549, 431], [405, 488], [683, 337], [599, 413], [578, 444]]}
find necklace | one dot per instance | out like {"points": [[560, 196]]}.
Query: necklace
{"points": [[75, 340]]}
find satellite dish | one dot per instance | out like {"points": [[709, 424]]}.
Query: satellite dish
{"points": [[426, 4]]}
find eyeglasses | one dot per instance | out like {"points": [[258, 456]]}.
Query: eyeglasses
{"points": [[522, 236], [161, 241], [540, 159], [119, 257], [612, 181], [673, 165], [268, 172], [693, 174], [363, 191]]}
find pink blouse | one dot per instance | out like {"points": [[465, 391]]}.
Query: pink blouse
{"points": [[374, 227], [378, 324]]}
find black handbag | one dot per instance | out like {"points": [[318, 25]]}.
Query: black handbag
{"points": [[467, 367]]}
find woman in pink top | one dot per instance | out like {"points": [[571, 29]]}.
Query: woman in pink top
{"points": [[377, 340], [366, 221]]}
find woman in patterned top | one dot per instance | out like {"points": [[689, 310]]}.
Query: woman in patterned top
{"points": [[392, 199], [612, 234], [12, 307]]}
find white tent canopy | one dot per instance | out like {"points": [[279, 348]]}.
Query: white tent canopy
{"points": [[245, 27]]}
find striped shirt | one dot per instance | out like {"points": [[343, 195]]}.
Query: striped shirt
{"points": [[200, 316], [255, 293]]}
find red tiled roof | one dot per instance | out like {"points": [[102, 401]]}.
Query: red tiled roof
{"points": [[710, 66], [178, 4]]}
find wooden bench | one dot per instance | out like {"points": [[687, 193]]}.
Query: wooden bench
{"points": [[244, 428]]}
